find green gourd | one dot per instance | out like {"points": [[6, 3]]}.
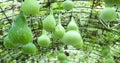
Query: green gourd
{"points": [[72, 25], [29, 48], [68, 5], [44, 40], [20, 33], [59, 30], [108, 14], [49, 22], [61, 57], [9, 44], [72, 38], [30, 7]]}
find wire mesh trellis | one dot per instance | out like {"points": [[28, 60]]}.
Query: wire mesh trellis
{"points": [[36, 25]]}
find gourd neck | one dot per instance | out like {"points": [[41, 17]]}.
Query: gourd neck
{"points": [[51, 11], [59, 19], [20, 20], [72, 19]]}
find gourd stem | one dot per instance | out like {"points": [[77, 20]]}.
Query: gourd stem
{"points": [[51, 11], [103, 24], [59, 21], [72, 13]]}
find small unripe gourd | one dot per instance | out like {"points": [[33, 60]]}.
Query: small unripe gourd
{"points": [[68, 5], [20, 33], [29, 48], [72, 25], [49, 22], [61, 57], [108, 14], [30, 7], [59, 30], [9, 44], [44, 40], [72, 38]]}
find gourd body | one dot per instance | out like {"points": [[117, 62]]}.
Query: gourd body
{"points": [[9, 44], [49, 23], [108, 14], [59, 30], [61, 57], [20, 33], [29, 48], [44, 40], [30, 7], [68, 5], [72, 38]]}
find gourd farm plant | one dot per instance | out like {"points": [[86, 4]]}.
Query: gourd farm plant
{"points": [[62, 32]]}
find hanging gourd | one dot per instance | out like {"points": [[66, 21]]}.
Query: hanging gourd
{"points": [[59, 30], [29, 48], [61, 57], [9, 44], [68, 5], [44, 40], [72, 38], [20, 33], [108, 14], [72, 25], [49, 22], [30, 7]]}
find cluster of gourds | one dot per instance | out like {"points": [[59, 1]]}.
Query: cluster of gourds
{"points": [[20, 35]]}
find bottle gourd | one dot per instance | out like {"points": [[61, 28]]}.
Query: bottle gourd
{"points": [[72, 25], [49, 22], [44, 40], [20, 33], [29, 48], [108, 14], [61, 57], [73, 38], [30, 7], [68, 5], [59, 30]]}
